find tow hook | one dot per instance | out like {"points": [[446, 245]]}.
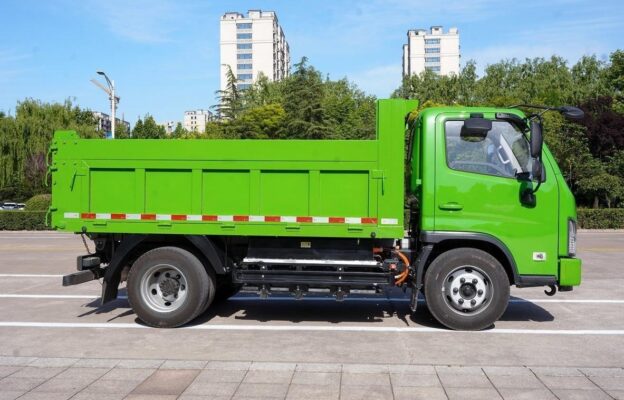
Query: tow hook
{"points": [[551, 291]]}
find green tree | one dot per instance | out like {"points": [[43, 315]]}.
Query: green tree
{"points": [[303, 96], [179, 131], [147, 128], [230, 99]]}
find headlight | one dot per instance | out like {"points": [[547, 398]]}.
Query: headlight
{"points": [[571, 237]]}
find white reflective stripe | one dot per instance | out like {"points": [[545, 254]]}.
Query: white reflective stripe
{"points": [[313, 328], [288, 219], [193, 217], [320, 220], [133, 216], [71, 215], [163, 217], [225, 218], [102, 216], [256, 218], [352, 220], [389, 221]]}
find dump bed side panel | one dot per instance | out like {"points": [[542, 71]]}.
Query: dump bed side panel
{"points": [[231, 187]]}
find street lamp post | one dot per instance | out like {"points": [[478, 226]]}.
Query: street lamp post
{"points": [[114, 100]]}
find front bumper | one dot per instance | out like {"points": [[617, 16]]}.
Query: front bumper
{"points": [[569, 271]]}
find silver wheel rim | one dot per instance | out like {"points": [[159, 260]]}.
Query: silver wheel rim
{"points": [[467, 290], [163, 288]]}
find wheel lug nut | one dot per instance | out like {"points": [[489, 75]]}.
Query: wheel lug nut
{"points": [[474, 281], [473, 302], [455, 290], [461, 301], [479, 292], [462, 280]]}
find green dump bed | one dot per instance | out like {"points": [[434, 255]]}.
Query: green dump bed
{"points": [[338, 188]]}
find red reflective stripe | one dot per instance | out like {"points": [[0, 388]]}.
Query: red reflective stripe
{"points": [[148, 217], [304, 219], [369, 220], [209, 217], [178, 217], [87, 215], [241, 218], [336, 220], [118, 216], [272, 218]]}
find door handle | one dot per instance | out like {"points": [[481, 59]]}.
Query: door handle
{"points": [[451, 206]]}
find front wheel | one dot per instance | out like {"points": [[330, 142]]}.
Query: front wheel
{"points": [[466, 289], [169, 286]]}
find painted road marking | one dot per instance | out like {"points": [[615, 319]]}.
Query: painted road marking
{"points": [[30, 276], [311, 328], [291, 299]]}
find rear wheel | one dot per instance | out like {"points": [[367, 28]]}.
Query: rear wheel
{"points": [[169, 286], [466, 289]]}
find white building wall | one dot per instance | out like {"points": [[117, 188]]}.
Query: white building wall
{"points": [[434, 50], [196, 120], [269, 50]]}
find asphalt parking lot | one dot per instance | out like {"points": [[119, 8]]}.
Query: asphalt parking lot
{"points": [[58, 342]]}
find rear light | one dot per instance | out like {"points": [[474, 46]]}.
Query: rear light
{"points": [[571, 237]]}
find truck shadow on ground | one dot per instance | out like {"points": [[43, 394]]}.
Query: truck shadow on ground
{"points": [[373, 309]]}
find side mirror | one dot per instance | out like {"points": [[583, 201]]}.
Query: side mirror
{"points": [[537, 170], [537, 140], [572, 113], [475, 128]]}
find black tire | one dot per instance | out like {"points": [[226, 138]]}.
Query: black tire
{"points": [[199, 288], [462, 262]]}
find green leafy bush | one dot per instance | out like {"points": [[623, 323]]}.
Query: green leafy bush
{"points": [[23, 220], [40, 202], [601, 218]]}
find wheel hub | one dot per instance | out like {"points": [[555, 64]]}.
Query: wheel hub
{"points": [[169, 287], [467, 290], [163, 288]]}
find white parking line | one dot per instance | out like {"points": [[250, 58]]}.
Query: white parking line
{"points": [[30, 276], [311, 328], [328, 299]]}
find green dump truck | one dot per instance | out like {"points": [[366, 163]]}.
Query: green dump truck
{"points": [[459, 204]]}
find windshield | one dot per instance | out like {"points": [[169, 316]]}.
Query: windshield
{"points": [[503, 152]]}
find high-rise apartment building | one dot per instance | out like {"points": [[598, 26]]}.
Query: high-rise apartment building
{"points": [[196, 120], [431, 50], [251, 45]]}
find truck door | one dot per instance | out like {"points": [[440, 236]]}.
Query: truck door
{"points": [[478, 190]]}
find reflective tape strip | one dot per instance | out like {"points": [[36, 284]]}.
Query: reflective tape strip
{"points": [[232, 218]]}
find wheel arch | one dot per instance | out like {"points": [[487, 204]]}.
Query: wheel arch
{"points": [[440, 242], [132, 246]]}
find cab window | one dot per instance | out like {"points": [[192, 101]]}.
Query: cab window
{"points": [[504, 151]]}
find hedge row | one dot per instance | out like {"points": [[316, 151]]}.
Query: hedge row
{"points": [[601, 218], [23, 220]]}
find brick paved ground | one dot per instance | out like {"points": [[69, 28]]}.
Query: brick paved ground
{"points": [[103, 379]]}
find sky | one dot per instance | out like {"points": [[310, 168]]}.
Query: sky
{"points": [[164, 54]]}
